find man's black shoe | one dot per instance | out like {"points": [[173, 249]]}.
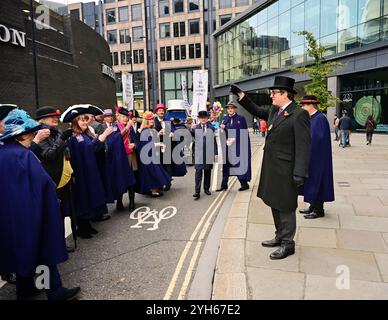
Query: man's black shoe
{"points": [[10, 278], [306, 211], [168, 187], [119, 206], [283, 252], [69, 294], [244, 187], [70, 249], [103, 218], [208, 192], [84, 235], [221, 189], [315, 215], [196, 196], [271, 243]]}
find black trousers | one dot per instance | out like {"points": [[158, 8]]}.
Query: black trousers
{"points": [[206, 181], [225, 177], [285, 224], [316, 206], [369, 136]]}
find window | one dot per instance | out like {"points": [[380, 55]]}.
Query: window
{"points": [[137, 34], [125, 57], [164, 29], [115, 58], [328, 17], [110, 16], [368, 10], [164, 9], [138, 56], [206, 51], [225, 4], [183, 52], [125, 36], [112, 36], [194, 26], [141, 56], [75, 14], [136, 12], [242, 3], [178, 6], [109, 1], [171, 84], [191, 51], [177, 53], [162, 53], [123, 14], [179, 29], [193, 5], [198, 50], [224, 19], [168, 54]]}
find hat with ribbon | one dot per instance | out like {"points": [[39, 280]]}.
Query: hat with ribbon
{"points": [[148, 115], [231, 104], [160, 106], [47, 111], [17, 123], [284, 83], [309, 99], [108, 113]]}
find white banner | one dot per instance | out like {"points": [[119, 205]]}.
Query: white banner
{"points": [[200, 84], [184, 89], [127, 81]]}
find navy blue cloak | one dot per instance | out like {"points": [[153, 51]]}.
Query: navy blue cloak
{"points": [[178, 170], [31, 224], [120, 173], [90, 192], [152, 175], [319, 185], [237, 123]]}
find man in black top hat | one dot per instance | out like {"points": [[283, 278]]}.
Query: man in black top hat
{"points": [[285, 161]]}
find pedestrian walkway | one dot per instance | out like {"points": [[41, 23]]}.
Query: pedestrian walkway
{"points": [[341, 256]]}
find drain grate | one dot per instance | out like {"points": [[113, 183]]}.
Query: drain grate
{"points": [[343, 184]]}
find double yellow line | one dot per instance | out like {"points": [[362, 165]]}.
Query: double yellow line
{"points": [[202, 227]]}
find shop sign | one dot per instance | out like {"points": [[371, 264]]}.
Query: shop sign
{"points": [[108, 71], [15, 37], [347, 97]]}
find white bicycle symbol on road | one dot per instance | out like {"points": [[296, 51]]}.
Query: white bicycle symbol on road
{"points": [[145, 215]]}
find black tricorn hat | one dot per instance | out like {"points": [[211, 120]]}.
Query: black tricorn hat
{"points": [[44, 112], [309, 99], [284, 83], [74, 111], [5, 109], [202, 114]]}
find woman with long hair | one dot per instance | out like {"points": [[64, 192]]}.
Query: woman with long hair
{"points": [[152, 175]]}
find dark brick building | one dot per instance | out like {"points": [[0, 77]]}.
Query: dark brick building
{"points": [[70, 56]]}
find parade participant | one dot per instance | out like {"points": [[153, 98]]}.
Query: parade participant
{"points": [[152, 174], [318, 187], [233, 124], [370, 126], [87, 152], [31, 227], [135, 128], [213, 119], [108, 118], [285, 161], [54, 156], [178, 169], [163, 127], [127, 148], [202, 165], [98, 124]]}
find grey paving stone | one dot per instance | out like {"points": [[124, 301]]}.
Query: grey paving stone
{"points": [[361, 240], [229, 286]]}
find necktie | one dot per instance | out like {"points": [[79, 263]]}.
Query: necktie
{"points": [[203, 128]]}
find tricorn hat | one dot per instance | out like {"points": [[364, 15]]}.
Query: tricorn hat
{"points": [[47, 111], [74, 111], [284, 83], [5, 109], [309, 99]]}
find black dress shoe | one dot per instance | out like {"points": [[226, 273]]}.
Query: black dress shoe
{"points": [[283, 252], [245, 187], [84, 235], [306, 211], [69, 294], [70, 249], [168, 187], [271, 243], [103, 218], [315, 215], [221, 189], [10, 278], [196, 196], [207, 192], [119, 207]]}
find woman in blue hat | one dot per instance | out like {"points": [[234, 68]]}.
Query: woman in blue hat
{"points": [[31, 227]]}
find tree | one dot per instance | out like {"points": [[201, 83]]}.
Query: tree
{"points": [[318, 72]]}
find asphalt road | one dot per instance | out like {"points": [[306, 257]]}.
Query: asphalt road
{"points": [[121, 262]]}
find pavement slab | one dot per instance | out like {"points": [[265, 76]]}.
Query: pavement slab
{"points": [[316, 237], [361, 240], [230, 286]]}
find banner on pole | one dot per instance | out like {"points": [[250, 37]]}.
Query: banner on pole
{"points": [[200, 84], [127, 81]]}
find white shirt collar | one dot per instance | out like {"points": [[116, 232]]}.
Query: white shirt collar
{"points": [[313, 113], [285, 106]]}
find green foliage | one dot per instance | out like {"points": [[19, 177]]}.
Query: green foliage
{"points": [[318, 72]]}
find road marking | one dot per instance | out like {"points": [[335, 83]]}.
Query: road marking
{"points": [[186, 250], [145, 215], [200, 240]]}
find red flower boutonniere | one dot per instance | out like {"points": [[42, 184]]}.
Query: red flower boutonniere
{"points": [[286, 114]]}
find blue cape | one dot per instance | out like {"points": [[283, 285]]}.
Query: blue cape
{"points": [[31, 225]]}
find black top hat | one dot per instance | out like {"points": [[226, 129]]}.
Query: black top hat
{"points": [[134, 114], [284, 83], [309, 99], [44, 112], [5, 109], [231, 104], [202, 114]]}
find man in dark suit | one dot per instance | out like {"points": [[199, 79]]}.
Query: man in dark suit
{"points": [[285, 161], [203, 159]]}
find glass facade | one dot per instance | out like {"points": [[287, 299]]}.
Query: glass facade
{"points": [[268, 40], [171, 84]]}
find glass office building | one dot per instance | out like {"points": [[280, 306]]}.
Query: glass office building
{"points": [[263, 42]]}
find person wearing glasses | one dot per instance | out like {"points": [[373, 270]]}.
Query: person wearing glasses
{"points": [[286, 158]]}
